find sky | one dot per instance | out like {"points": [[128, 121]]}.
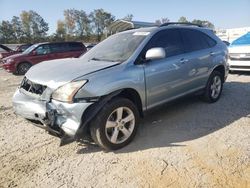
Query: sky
{"points": [[222, 13]]}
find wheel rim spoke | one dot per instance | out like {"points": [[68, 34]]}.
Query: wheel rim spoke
{"points": [[114, 135], [216, 87], [213, 93], [110, 124], [119, 113], [129, 118], [125, 132]]}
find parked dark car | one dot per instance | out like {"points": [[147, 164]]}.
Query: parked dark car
{"points": [[6, 51], [20, 63]]}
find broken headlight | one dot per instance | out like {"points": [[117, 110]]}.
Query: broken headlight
{"points": [[67, 92]]}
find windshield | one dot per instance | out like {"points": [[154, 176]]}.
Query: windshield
{"points": [[117, 48], [30, 49]]}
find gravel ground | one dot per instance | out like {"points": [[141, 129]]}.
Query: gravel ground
{"points": [[188, 143]]}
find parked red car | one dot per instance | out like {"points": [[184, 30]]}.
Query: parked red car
{"points": [[6, 51], [20, 63]]}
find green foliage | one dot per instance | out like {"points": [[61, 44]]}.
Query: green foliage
{"points": [[183, 19], [162, 21], [204, 23], [100, 21], [129, 17]]}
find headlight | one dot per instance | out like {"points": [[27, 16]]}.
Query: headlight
{"points": [[67, 92], [9, 61]]}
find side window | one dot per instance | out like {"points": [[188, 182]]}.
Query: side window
{"points": [[59, 47], [43, 49], [74, 46], [196, 40], [170, 40]]}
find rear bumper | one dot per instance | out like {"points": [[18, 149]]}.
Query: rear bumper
{"points": [[238, 65], [62, 119]]}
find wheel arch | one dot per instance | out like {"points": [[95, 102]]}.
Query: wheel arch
{"points": [[93, 109], [221, 69]]}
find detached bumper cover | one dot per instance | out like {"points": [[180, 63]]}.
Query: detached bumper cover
{"points": [[57, 117]]}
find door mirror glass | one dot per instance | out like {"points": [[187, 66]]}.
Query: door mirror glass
{"points": [[155, 53]]}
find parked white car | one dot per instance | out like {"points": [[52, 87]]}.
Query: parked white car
{"points": [[239, 54]]}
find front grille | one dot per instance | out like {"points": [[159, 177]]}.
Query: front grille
{"points": [[239, 56], [32, 87], [240, 67]]}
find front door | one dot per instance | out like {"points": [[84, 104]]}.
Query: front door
{"points": [[167, 78]]}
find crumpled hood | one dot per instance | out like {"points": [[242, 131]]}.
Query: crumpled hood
{"points": [[55, 73]]}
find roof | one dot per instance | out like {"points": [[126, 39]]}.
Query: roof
{"points": [[123, 25]]}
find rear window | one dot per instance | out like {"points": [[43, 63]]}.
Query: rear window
{"points": [[75, 46], [196, 40]]}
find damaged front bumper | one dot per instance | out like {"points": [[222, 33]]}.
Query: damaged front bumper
{"points": [[58, 118]]}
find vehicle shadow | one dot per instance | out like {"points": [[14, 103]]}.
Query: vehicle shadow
{"points": [[188, 119]]}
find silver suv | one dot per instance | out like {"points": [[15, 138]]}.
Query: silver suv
{"points": [[105, 92]]}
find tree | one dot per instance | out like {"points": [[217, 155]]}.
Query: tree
{"points": [[17, 28], [26, 22], [183, 19], [101, 20], [34, 26], [69, 21], [39, 26], [60, 31], [82, 23], [129, 17], [6, 32], [203, 23], [162, 21]]}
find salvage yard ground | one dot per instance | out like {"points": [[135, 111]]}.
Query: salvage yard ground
{"points": [[184, 144]]}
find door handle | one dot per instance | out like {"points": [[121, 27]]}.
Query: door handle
{"points": [[212, 53], [183, 61]]}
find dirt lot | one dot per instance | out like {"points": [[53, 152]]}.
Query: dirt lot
{"points": [[186, 144]]}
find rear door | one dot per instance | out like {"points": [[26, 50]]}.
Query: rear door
{"points": [[200, 53], [166, 78]]}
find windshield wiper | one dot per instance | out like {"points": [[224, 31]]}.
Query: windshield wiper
{"points": [[98, 59]]}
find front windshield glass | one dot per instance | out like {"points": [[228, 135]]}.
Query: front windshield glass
{"points": [[117, 48], [30, 49]]}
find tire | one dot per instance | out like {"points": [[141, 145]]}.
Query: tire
{"points": [[22, 68], [112, 132], [214, 87]]}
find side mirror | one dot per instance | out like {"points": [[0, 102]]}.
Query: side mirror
{"points": [[155, 53], [34, 52]]}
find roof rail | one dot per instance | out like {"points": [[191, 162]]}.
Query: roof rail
{"points": [[180, 23]]}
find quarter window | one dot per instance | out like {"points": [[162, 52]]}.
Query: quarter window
{"points": [[75, 46]]}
